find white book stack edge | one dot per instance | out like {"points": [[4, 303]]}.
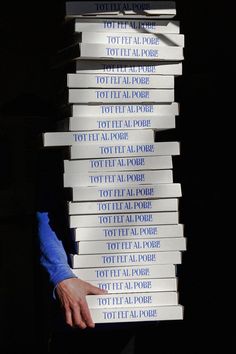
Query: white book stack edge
{"points": [[126, 246], [137, 285], [154, 191], [122, 206], [128, 233], [135, 219], [129, 314], [133, 9], [125, 259], [130, 272], [118, 164], [101, 95], [96, 137], [117, 178], [126, 25], [133, 299], [126, 123], [137, 301], [126, 52], [128, 67], [124, 150], [123, 110], [120, 81], [133, 39]]}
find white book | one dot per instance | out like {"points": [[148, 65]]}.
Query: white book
{"points": [[127, 246], [124, 150], [132, 299], [133, 39], [162, 190], [119, 164], [125, 110], [136, 285], [102, 220], [128, 67], [126, 123], [96, 137], [122, 206], [125, 259], [126, 25], [127, 233], [129, 314], [125, 52], [130, 272], [162, 9], [117, 178], [120, 81], [101, 95]]}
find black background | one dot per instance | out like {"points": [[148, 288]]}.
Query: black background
{"points": [[29, 37]]}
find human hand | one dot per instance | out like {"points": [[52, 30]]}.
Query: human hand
{"points": [[72, 296]]}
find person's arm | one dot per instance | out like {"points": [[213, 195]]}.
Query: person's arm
{"points": [[70, 290], [52, 254], [54, 240]]}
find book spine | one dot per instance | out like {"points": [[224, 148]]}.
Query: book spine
{"points": [[155, 123], [124, 110], [143, 40], [125, 52], [127, 26], [133, 192], [129, 314], [127, 233], [136, 285], [124, 206], [100, 95], [126, 246], [125, 150], [77, 8], [116, 164], [165, 190], [130, 272], [128, 67], [102, 220], [114, 178], [95, 137], [132, 299], [126, 259], [119, 81]]}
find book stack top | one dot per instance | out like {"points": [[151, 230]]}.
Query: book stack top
{"points": [[133, 9], [127, 30]]}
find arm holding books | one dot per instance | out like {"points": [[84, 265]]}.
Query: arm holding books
{"points": [[55, 244], [68, 289]]}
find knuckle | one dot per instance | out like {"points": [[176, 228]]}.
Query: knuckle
{"points": [[74, 304], [66, 307], [81, 302]]}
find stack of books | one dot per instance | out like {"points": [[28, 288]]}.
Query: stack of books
{"points": [[124, 210]]}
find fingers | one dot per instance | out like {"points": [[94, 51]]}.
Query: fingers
{"points": [[78, 321], [86, 314], [78, 315], [68, 316], [72, 296]]}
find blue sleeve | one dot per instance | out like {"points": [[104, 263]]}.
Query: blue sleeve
{"points": [[52, 253], [54, 239]]}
